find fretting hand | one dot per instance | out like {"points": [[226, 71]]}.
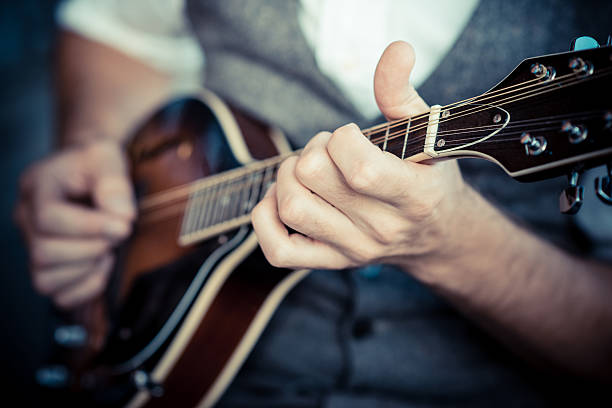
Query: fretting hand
{"points": [[354, 204]]}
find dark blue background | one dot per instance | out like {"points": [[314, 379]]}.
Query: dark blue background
{"points": [[26, 129]]}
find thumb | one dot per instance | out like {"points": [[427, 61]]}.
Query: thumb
{"points": [[111, 186], [395, 96]]}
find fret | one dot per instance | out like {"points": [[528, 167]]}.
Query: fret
{"points": [[234, 186], [236, 197], [384, 148], [199, 207], [266, 181], [187, 225], [225, 201], [254, 193], [406, 138], [209, 209], [244, 196]]}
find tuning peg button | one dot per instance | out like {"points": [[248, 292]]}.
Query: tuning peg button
{"points": [[583, 43], [572, 197]]}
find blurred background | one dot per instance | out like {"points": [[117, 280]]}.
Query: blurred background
{"points": [[26, 46], [27, 36]]}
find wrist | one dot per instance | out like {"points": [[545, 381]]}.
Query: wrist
{"points": [[471, 229]]}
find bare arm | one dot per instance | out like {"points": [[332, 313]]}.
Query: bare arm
{"points": [[369, 207], [101, 95], [546, 304], [102, 92]]}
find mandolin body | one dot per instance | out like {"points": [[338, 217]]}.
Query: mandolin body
{"points": [[178, 321]]}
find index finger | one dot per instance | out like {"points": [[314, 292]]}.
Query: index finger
{"points": [[367, 169]]}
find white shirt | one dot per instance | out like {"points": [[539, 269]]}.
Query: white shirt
{"points": [[346, 36]]}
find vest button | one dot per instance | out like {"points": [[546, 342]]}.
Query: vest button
{"points": [[370, 271], [362, 327]]}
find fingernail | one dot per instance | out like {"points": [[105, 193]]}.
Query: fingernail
{"points": [[354, 126], [116, 228]]}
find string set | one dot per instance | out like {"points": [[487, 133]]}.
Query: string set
{"points": [[177, 196]]}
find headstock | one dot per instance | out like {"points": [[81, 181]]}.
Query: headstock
{"points": [[551, 115]]}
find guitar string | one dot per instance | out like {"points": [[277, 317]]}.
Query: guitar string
{"points": [[516, 124], [403, 120], [499, 103], [526, 126], [534, 92], [465, 101], [503, 130], [518, 100], [485, 96], [547, 86], [178, 208]]}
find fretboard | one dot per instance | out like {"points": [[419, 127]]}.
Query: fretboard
{"points": [[404, 138], [225, 201], [222, 202]]}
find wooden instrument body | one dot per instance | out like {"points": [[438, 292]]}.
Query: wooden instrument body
{"points": [[181, 320]]}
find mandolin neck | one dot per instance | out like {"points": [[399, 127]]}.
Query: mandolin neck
{"points": [[222, 202]]}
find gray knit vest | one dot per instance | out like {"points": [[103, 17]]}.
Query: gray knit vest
{"points": [[349, 339]]}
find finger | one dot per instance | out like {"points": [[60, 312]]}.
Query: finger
{"points": [[98, 171], [318, 173], [300, 209], [286, 250], [111, 187], [52, 251], [59, 218], [50, 280], [370, 171], [87, 288], [395, 95]]}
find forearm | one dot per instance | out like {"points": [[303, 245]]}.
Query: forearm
{"points": [[541, 301], [102, 93]]}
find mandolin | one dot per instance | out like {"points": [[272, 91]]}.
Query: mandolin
{"points": [[188, 298]]}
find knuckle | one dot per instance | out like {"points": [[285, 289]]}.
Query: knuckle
{"points": [[363, 177], [278, 256], [388, 233], [286, 166], [421, 209], [291, 210], [364, 254], [311, 164]]}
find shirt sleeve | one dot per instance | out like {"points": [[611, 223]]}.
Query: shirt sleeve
{"points": [[152, 31]]}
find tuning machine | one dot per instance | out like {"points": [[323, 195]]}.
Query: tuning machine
{"points": [[603, 186], [571, 198]]}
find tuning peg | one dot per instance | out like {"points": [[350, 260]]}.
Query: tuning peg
{"points": [[603, 186], [571, 198], [583, 43]]}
